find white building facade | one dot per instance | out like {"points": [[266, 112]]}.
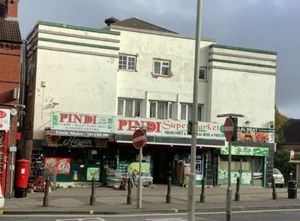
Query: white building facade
{"points": [[134, 74]]}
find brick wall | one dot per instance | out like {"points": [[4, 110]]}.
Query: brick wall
{"points": [[10, 72]]}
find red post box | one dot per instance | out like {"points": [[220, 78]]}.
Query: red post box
{"points": [[22, 175]]}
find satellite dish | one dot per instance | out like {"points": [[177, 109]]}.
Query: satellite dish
{"points": [[13, 112]]}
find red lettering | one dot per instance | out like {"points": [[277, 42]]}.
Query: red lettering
{"points": [[158, 127], [94, 119], [88, 119], [122, 123], [151, 127], [77, 118], [62, 117], [70, 118]]}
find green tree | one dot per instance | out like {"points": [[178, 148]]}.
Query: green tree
{"points": [[280, 122], [281, 157], [281, 161]]}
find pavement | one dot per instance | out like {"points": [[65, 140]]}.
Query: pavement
{"points": [[110, 201]]}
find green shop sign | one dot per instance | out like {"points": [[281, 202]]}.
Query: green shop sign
{"points": [[246, 151]]}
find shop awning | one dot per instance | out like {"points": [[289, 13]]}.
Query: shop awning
{"points": [[70, 133], [165, 140]]}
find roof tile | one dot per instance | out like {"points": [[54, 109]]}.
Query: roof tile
{"points": [[10, 31], [139, 24]]}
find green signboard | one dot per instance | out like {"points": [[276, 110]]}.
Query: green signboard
{"points": [[246, 151]]}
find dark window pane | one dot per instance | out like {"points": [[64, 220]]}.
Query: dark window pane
{"points": [[120, 106], [161, 110], [157, 67], [137, 109], [183, 112], [199, 113], [153, 109], [170, 111], [131, 63], [128, 108], [122, 62], [165, 70], [202, 74]]}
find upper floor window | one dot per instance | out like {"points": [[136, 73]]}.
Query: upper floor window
{"points": [[127, 62], [187, 110], [161, 67], [203, 74], [129, 107], [161, 110]]}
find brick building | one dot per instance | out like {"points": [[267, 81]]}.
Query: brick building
{"points": [[10, 63]]}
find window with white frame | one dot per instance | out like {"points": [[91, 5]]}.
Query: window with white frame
{"points": [[127, 62], [129, 107], [161, 67], [187, 110], [161, 109], [203, 74]]}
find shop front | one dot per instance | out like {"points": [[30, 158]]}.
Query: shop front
{"points": [[168, 146], [79, 147], [248, 163], [76, 148], [4, 142], [250, 157], [74, 159]]}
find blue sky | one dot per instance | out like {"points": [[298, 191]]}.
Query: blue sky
{"points": [[262, 24]]}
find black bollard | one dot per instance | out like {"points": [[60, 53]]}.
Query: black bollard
{"points": [[129, 197], [92, 198], [46, 191], [202, 195], [168, 196], [237, 193], [274, 194]]}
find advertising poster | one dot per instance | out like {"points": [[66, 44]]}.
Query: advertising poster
{"points": [[93, 172], [56, 165], [4, 119], [134, 168], [256, 135]]}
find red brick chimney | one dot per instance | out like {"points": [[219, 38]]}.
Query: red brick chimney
{"points": [[12, 8]]}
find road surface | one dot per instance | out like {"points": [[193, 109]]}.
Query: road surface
{"points": [[261, 215]]}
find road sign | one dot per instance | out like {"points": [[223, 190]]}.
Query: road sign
{"points": [[139, 139], [228, 128], [4, 119]]}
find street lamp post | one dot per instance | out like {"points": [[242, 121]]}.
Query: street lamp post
{"points": [[192, 177]]}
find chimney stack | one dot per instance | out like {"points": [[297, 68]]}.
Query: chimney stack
{"points": [[110, 21], [12, 9]]}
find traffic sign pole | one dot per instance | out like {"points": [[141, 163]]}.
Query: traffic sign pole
{"points": [[139, 140], [229, 190], [139, 195], [229, 132], [230, 129]]}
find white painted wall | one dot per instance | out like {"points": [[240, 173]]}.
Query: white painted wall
{"points": [[250, 94], [78, 82], [92, 84], [177, 49]]}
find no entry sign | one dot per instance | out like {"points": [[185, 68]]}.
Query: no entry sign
{"points": [[228, 128], [139, 139]]}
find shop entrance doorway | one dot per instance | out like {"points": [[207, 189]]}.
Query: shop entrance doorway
{"points": [[162, 166]]}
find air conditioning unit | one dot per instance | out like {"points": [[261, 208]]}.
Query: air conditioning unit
{"points": [[15, 95]]}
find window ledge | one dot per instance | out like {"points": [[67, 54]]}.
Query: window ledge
{"points": [[160, 75], [127, 70]]}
